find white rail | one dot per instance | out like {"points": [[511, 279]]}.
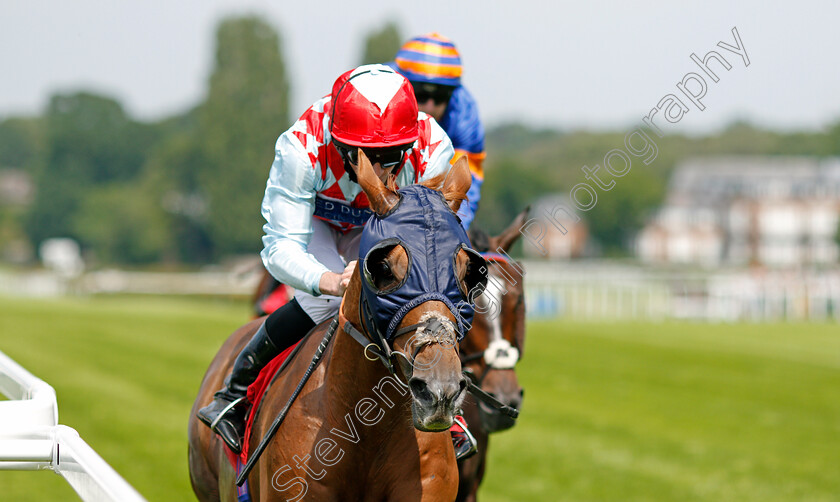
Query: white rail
{"points": [[32, 439]]}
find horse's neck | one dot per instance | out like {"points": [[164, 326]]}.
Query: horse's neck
{"points": [[363, 391], [351, 377]]}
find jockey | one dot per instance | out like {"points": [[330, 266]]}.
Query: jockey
{"points": [[433, 66], [315, 210]]}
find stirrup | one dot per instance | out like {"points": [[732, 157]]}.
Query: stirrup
{"points": [[227, 423], [224, 412]]}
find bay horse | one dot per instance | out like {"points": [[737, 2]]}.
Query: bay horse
{"points": [[491, 350], [356, 431]]}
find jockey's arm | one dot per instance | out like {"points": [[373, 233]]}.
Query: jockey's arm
{"points": [[288, 206], [464, 127], [469, 207]]}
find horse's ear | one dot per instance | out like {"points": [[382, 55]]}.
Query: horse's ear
{"points": [[381, 198], [511, 234], [457, 183]]}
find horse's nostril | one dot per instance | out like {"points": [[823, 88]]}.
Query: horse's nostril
{"points": [[462, 385], [516, 402], [420, 390]]}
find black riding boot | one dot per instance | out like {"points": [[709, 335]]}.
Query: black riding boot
{"points": [[226, 414]]}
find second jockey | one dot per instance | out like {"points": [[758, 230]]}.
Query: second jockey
{"points": [[433, 66]]}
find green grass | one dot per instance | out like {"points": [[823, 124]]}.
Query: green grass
{"points": [[126, 372], [633, 412], [674, 412]]}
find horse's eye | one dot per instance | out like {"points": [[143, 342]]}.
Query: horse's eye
{"points": [[383, 270], [377, 267]]}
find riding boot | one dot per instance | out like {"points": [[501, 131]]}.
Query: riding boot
{"points": [[226, 414], [462, 439]]}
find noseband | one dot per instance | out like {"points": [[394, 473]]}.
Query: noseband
{"points": [[433, 330], [499, 355]]}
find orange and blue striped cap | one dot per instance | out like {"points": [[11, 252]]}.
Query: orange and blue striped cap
{"points": [[430, 58]]}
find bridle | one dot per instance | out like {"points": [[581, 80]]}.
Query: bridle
{"points": [[500, 354], [376, 347], [382, 351], [492, 352]]}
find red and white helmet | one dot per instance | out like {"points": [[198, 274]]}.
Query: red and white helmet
{"points": [[373, 106]]}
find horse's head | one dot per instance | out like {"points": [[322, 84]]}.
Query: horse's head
{"points": [[416, 271], [497, 337]]}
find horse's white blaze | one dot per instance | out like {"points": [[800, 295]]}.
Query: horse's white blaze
{"points": [[499, 353], [494, 292]]}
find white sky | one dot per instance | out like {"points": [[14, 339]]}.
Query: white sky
{"points": [[592, 64]]}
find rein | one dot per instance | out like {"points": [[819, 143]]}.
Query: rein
{"points": [[474, 387], [474, 380], [243, 475]]}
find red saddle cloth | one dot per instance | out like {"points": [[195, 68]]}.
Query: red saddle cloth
{"points": [[256, 391], [279, 297]]}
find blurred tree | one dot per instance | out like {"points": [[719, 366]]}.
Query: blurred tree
{"points": [[509, 187], [623, 210], [172, 179], [245, 111], [525, 164], [21, 146], [381, 46], [88, 140], [121, 224], [20, 141], [831, 140]]}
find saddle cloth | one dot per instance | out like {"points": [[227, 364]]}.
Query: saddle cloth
{"points": [[256, 391]]}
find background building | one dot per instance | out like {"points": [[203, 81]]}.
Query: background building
{"points": [[564, 237], [774, 211]]}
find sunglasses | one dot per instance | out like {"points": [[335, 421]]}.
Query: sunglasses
{"points": [[440, 94], [386, 157]]}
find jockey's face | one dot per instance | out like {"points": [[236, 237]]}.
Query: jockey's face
{"points": [[432, 99], [383, 173], [383, 160], [433, 108]]}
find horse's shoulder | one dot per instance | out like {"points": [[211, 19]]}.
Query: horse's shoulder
{"points": [[290, 373]]}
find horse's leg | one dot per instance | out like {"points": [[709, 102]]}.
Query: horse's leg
{"points": [[438, 470], [206, 456], [202, 479], [203, 461], [207, 461], [468, 469], [227, 482], [468, 480]]}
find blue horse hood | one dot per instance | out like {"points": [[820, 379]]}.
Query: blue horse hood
{"points": [[424, 225]]}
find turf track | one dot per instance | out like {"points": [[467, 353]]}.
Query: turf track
{"points": [[612, 412]]}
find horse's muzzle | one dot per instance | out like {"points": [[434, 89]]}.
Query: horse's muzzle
{"points": [[493, 420], [434, 403]]}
